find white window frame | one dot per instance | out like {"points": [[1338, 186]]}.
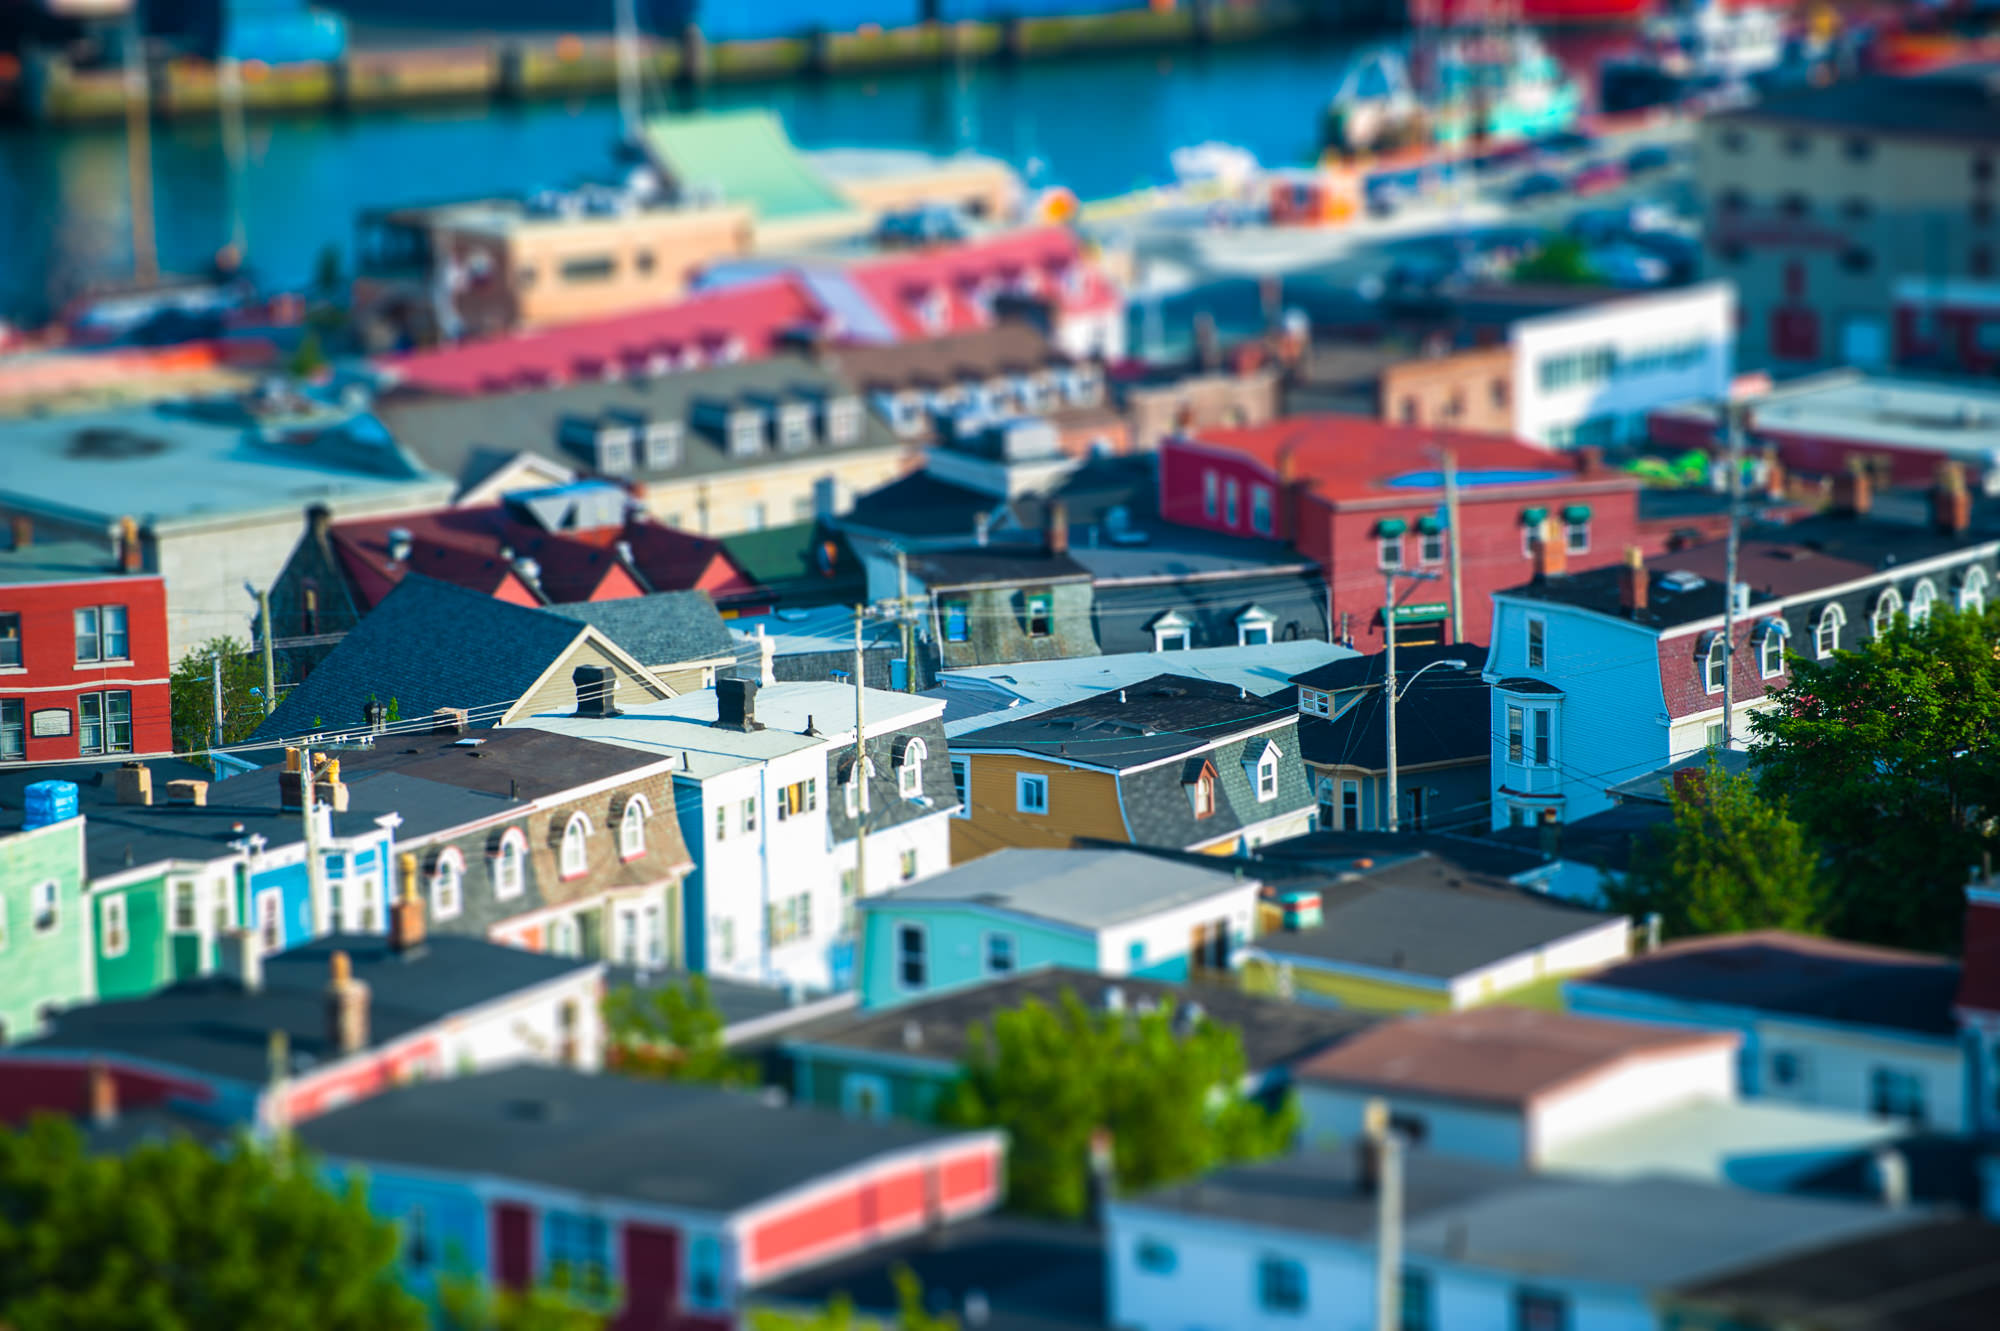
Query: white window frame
{"points": [[1430, 547], [1315, 702], [1576, 537], [1887, 606], [1389, 551], [510, 865], [1826, 630], [114, 925], [910, 774], [1172, 628], [270, 919], [1972, 594], [1535, 650], [1771, 652], [1025, 782], [1923, 599], [1715, 664], [1252, 622], [906, 930], [1262, 772], [448, 884], [632, 827], [961, 782], [42, 922], [575, 852]]}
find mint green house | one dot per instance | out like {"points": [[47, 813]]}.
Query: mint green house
{"points": [[1107, 912], [45, 932]]}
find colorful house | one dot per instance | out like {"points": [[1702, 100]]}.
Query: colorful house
{"points": [[45, 933], [661, 1204], [1112, 912]]}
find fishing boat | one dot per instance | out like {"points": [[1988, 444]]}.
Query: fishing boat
{"points": [[1695, 53], [1458, 88]]}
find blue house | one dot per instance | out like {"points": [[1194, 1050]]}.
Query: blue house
{"points": [[1111, 912]]}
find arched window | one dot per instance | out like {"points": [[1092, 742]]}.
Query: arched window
{"points": [[1715, 664], [510, 861], [1972, 591], [632, 828], [447, 884], [1826, 633], [1887, 606], [910, 771], [575, 846], [1771, 648], [1922, 597]]}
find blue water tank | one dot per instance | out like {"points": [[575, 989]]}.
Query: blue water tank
{"points": [[49, 802]]}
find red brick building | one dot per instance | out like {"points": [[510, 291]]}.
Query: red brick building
{"points": [[1360, 497], [83, 653]]}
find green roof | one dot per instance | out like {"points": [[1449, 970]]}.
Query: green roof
{"points": [[746, 157]]}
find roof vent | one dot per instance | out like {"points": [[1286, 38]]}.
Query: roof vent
{"points": [[1681, 580]]}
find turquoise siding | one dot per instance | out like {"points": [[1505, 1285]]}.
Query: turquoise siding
{"points": [[1173, 970], [956, 948], [146, 963], [821, 1077], [39, 967], [444, 1224]]}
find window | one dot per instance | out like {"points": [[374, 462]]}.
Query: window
{"points": [[843, 420], [1389, 551], [955, 621], [1787, 1068], [1281, 1285], [112, 937], [1211, 492], [1887, 606], [590, 268], [800, 797], [1540, 1310], [510, 865], [1972, 591], [1430, 547], [1715, 664], [182, 913], [1517, 721], [575, 846], [1857, 260], [1135, 953], [999, 954], [1031, 793], [270, 921], [1543, 726], [1155, 1257], [1576, 537], [789, 920], [10, 641], [907, 864], [1771, 651], [447, 885], [578, 1254], [632, 828], [1894, 1093], [705, 1272], [1922, 597], [1230, 499], [912, 960], [1350, 805], [1859, 149], [13, 729], [100, 633], [104, 722], [1315, 702], [1267, 775], [42, 913], [1041, 614], [1253, 628], [1260, 509], [961, 786], [1795, 206], [910, 773], [418, 1247], [1826, 633], [1418, 1302], [1171, 633], [1538, 644]]}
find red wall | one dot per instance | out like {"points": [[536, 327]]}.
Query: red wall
{"points": [[1681, 671], [314, 1095], [28, 1086], [1181, 491], [53, 679]]}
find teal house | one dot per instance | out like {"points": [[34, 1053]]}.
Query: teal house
{"points": [[45, 934], [1112, 912]]}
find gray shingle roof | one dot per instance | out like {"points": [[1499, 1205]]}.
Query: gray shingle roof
{"points": [[1159, 813], [1156, 719], [1090, 889], [427, 645], [659, 629]]}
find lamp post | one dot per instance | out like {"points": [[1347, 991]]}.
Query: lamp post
{"points": [[1389, 691]]}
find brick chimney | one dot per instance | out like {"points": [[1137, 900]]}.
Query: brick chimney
{"points": [[23, 528], [596, 690], [1774, 474], [1551, 551], [241, 957], [736, 705], [1632, 585], [1689, 782], [406, 917], [134, 783], [1589, 460], [346, 1008], [131, 558], [1853, 490], [188, 792], [325, 779], [1951, 502], [1056, 536], [1288, 464], [449, 721], [103, 1095]]}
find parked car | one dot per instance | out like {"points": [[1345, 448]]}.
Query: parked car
{"points": [[1505, 157], [1648, 159], [1566, 143], [1535, 186], [1681, 253], [1597, 177], [1624, 264]]}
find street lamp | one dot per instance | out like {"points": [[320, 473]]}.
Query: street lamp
{"points": [[1389, 690]]}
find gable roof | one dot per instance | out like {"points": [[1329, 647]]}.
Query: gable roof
{"points": [[1443, 717], [742, 157], [427, 645], [667, 628], [512, 762], [1790, 974], [896, 286], [1505, 1056], [1085, 889], [1147, 722]]}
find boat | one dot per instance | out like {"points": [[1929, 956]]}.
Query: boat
{"points": [[1455, 89], [1697, 55]]}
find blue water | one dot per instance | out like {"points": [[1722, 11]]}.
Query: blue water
{"points": [[1101, 126]]}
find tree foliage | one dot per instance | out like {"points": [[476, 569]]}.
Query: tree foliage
{"points": [[1562, 261], [1888, 757], [673, 1034], [174, 1237], [1167, 1092], [466, 1303], [1730, 860], [192, 691], [839, 1314]]}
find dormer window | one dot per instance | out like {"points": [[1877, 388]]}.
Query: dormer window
{"points": [[1253, 627], [795, 426], [746, 433], [906, 413], [1771, 648], [934, 310], [663, 445], [576, 846], [1887, 606], [1084, 386], [510, 861], [1198, 784], [1826, 633], [1972, 590], [850, 786], [1041, 614], [448, 884], [1171, 633], [910, 768], [1922, 597], [1714, 663], [1261, 766], [632, 828], [843, 420], [1315, 702]]}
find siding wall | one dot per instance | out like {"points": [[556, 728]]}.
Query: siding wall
{"points": [[956, 947], [1081, 804], [52, 967]]}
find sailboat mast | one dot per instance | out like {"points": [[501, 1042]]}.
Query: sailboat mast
{"points": [[628, 68]]}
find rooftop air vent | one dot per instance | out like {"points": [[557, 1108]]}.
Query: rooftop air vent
{"points": [[1681, 580]]}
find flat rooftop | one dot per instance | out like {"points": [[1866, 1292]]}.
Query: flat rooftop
{"points": [[1087, 889], [1960, 417], [59, 561], [1738, 1142]]}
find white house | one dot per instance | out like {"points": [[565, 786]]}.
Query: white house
{"points": [[1506, 1085], [1588, 375], [766, 790], [1290, 1243], [1844, 1026], [1607, 674]]}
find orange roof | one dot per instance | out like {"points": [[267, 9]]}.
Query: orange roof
{"points": [[1358, 457]]}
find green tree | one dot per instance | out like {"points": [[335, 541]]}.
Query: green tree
{"points": [[174, 1237], [309, 356], [839, 1314], [673, 1033], [1888, 757], [466, 1303], [1562, 261], [1166, 1092], [192, 690], [327, 282], [1730, 860]]}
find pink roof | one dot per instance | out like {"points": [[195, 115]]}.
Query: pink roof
{"points": [[1043, 261], [752, 315]]}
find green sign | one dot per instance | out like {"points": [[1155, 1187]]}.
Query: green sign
{"points": [[1422, 610]]}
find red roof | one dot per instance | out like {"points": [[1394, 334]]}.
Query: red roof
{"points": [[1979, 973], [963, 278], [693, 330], [469, 547], [1359, 457]]}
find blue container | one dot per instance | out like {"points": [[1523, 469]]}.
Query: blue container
{"points": [[49, 802]]}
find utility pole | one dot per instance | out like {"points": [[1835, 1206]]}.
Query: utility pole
{"points": [[903, 617], [627, 52], [860, 762], [229, 83], [1451, 547], [139, 151], [308, 796], [215, 683], [1388, 1150], [1734, 421], [270, 665], [1389, 691]]}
